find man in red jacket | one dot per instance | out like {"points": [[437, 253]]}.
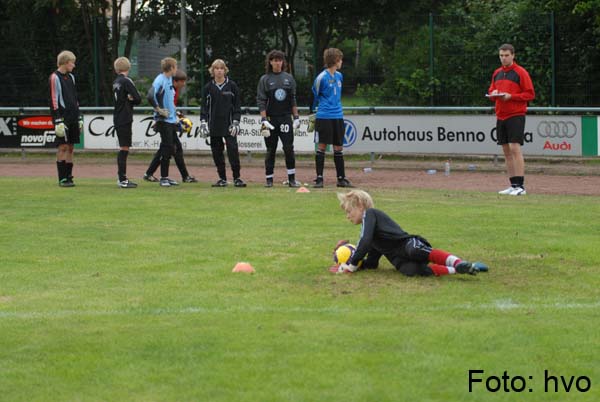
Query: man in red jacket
{"points": [[511, 89]]}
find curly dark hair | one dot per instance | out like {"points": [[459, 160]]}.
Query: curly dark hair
{"points": [[272, 55]]}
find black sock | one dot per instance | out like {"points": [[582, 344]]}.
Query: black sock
{"points": [[520, 181], [69, 170], [320, 162], [62, 169], [338, 159], [122, 164], [514, 181], [291, 177]]}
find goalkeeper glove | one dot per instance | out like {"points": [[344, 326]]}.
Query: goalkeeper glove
{"points": [[59, 128], [266, 127], [204, 129], [296, 125], [162, 112], [80, 124], [234, 129], [346, 268], [311, 123]]}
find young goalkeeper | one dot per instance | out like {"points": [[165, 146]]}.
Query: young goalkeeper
{"points": [[380, 235]]}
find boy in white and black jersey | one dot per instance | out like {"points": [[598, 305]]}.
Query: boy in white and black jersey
{"points": [[126, 96], [276, 98], [68, 123]]}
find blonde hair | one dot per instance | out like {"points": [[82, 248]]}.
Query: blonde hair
{"points": [[217, 63], [122, 64], [355, 199], [64, 57], [167, 64], [331, 56]]}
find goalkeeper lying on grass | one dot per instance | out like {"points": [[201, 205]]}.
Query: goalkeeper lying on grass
{"points": [[380, 235]]}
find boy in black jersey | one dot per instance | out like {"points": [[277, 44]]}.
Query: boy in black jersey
{"points": [[126, 96], [68, 123], [276, 98], [381, 236], [220, 118]]}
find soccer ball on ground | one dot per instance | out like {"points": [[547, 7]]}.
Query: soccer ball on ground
{"points": [[343, 253]]}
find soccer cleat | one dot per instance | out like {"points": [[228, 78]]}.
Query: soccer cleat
{"points": [[506, 191], [164, 182], [294, 184], [465, 267], [220, 183], [126, 184], [343, 182], [239, 182], [66, 183], [269, 183], [149, 177], [480, 267], [518, 191], [318, 182], [190, 179]]}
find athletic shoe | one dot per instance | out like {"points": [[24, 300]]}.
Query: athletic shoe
{"points": [[506, 191], [480, 266], [149, 177], [518, 191], [164, 182], [190, 179], [465, 267], [269, 183], [172, 182], [239, 182], [66, 183], [294, 184], [220, 183], [318, 182], [343, 182], [126, 184]]}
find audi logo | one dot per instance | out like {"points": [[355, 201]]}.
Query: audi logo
{"points": [[556, 129]]}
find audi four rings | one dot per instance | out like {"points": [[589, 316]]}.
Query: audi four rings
{"points": [[556, 129]]}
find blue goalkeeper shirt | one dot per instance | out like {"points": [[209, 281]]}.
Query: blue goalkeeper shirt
{"points": [[327, 92], [162, 94]]}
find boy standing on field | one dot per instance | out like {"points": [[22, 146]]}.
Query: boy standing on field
{"points": [[381, 236], [329, 125], [276, 99], [511, 89], [220, 119], [126, 96], [162, 97], [68, 123]]}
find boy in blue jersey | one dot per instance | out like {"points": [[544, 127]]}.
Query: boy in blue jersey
{"points": [[329, 127], [161, 96]]}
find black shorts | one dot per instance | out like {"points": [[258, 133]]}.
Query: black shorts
{"points": [[329, 131], [511, 130], [124, 135], [72, 135]]}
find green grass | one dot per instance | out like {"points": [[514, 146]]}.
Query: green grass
{"points": [[128, 295]]}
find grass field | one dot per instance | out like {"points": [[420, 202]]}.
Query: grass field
{"points": [[128, 295]]}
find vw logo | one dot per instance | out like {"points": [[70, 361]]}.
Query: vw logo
{"points": [[280, 94], [350, 133], [556, 129]]}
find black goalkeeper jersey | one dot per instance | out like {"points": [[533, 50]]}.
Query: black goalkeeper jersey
{"points": [[63, 98], [122, 88], [381, 234], [276, 94]]}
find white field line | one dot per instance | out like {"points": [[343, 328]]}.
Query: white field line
{"points": [[498, 305]]}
